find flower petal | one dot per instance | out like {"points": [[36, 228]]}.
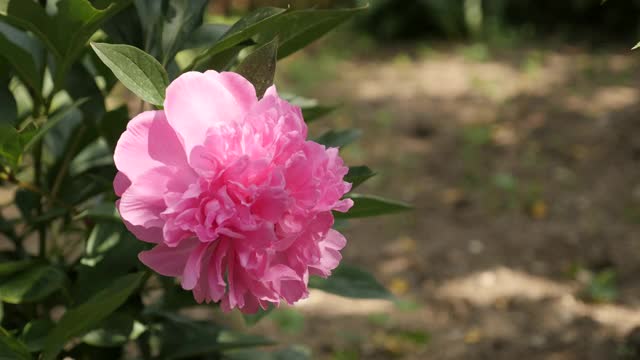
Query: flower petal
{"points": [[168, 261], [330, 256], [197, 101], [193, 267], [147, 143], [142, 203]]}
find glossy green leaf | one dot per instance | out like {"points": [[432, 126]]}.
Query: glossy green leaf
{"points": [[114, 331], [126, 28], [184, 17], [357, 175], [27, 202], [206, 35], [77, 189], [370, 205], [10, 145], [351, 282], [67, 31], [8, 105], [80, 83], [32, 285], [240, 32], [19, 50], [12, 348], [185, 338], [223, 60], [297, 29], [259, 67], [113, 124], [88, 315], [51, 122], [137, 70], [11, 267], [111, 251], [96, 154], [313, 113], [339, 138], [311, 109], [35, 332], [102, 211]]}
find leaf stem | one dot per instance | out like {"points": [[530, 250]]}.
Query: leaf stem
{"points": [[42, 229]]}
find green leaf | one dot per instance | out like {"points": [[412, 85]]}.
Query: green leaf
{"points": [[8, 104], [313, 113], [113, 124], [137, 70], [370, 205], [27, 202], [111, 251], [11, 267], [32, 285], [636, 46], [184, 338], [103, 211], [259, 67], [125, 28], [357, 175], [311, 109], [81, 83], [78, 320], [97, 154], [35, 332], [340, 138], [207, 35], [240, 32], [252, 319], [65, 33], [114, 331], [185, 17], [297, 29], [12, 348], [289, 320], [51, 122], [19, 51], [351, 282], [10, 145], [223, 60]]}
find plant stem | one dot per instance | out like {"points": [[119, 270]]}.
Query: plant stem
{"points": [[39, 181]]}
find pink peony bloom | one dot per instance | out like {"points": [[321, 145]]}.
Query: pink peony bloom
{"points": [[235, 198]]}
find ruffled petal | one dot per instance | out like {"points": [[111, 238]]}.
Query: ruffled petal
{"points": [[197, 101], [147, 143], [330, 255], [168, 261]]}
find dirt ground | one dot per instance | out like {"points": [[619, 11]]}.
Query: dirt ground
{"points": [[523, 167]]}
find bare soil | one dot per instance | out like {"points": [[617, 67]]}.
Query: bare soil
{"points": [[524, 170]]}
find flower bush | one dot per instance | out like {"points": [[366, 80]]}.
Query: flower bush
{"points": [[232, 202]]}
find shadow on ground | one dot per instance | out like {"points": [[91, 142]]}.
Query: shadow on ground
{"points": [[523, 166]]}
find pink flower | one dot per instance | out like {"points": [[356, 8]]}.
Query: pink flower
{"points": [[235, 198]]}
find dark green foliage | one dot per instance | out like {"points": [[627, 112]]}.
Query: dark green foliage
{"points": [[351, 282], [579, 19]]}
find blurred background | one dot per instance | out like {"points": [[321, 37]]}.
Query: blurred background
{"points": [[513, 128]]}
